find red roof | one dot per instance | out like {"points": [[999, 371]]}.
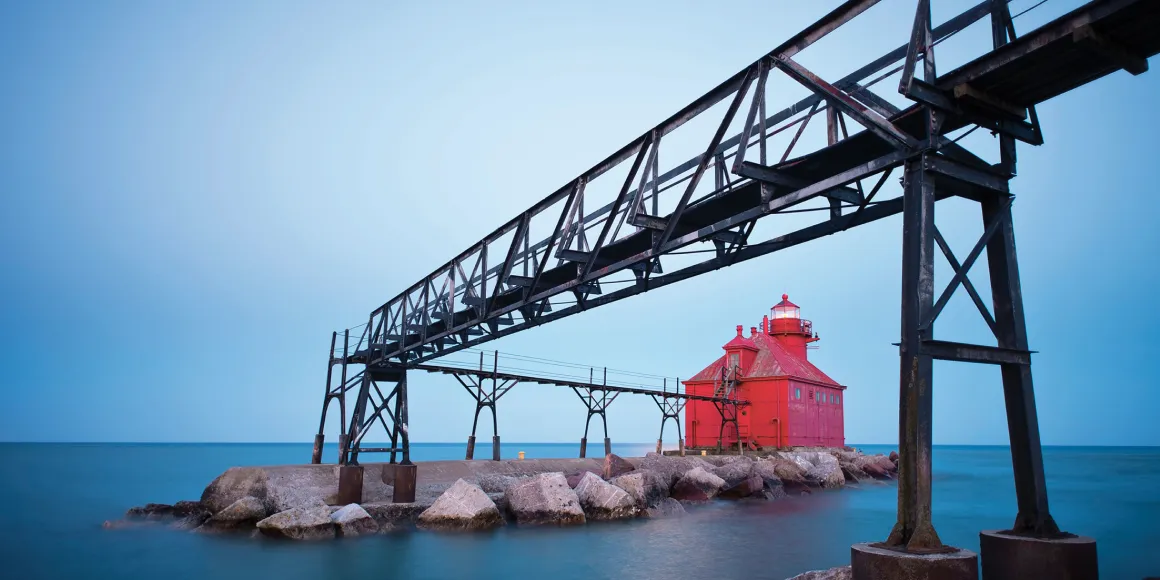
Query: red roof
{"points": [[772, 360], [785, 302]]}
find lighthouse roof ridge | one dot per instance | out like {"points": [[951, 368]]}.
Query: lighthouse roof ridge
{"points": [[772, 360]]}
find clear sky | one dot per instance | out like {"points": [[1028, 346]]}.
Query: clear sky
{"points": [[194, 194]]}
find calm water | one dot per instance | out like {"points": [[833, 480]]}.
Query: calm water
{"points": [[56, 496]]}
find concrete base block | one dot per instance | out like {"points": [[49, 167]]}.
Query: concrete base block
{"points": [[1008, 556], [583, 447], [470, 447], [350, 484], [406, 476], [607, 446], [874, 562]]}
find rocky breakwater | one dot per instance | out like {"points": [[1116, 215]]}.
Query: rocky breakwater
{"points": [[299, 502]]}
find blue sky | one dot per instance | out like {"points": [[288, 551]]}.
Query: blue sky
{"points": [[193, 195]]}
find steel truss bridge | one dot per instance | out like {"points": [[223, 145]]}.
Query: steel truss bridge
{"points": [[554, 259]]}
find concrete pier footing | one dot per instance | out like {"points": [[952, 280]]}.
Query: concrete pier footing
{"points": [[495, 448], [1008, 556], [350, 484], [406, 476], [583, 447], [470, 447], [874, 562], [607, 446]]}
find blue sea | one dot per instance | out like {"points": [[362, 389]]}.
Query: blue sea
{"points": [[56, 496]]}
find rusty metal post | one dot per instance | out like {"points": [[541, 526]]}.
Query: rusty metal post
{"points": [[350, 484], [470, 447], [607, 446], [914, 529], [316, 455], [495, 448], [406, 473], [583, 447], [342, 449]]}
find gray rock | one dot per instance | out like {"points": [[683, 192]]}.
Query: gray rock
{"points": [[852, 472], [352, 520], [734, 472], [748, 487], [697, 484], [300, 523], [792, 476], [297, 486], [671, 467], [242, 514], [667, 508], [615, 466], [768, 474], [829, 475], [601, 500], [233, 485], [496, 482], [647, 488], [544, 499], [876, 466], [839, 573], [574, 478], [462, 507], [395, 516]]}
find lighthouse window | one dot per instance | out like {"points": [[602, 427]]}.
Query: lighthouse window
{"points": [[838, 399], [797, 393]]}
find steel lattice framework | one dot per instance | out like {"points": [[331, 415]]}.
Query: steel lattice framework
{"points": [[506, 282]]}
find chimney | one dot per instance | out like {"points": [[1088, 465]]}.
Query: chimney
{"points": [[752, 332], [739, 327], [765, 324]]}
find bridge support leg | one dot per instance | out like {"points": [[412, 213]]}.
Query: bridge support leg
{"points": [[331, 394], [670, 409], [316, 455], [389, 408], [597, 402], [486, 390]]}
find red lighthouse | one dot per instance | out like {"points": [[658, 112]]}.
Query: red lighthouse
{"points": [[792, 402]]}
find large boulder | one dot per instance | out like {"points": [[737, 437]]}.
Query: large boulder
{"points": [[792, 476], [615, 465], [462, 507], [647, 488], [666, 508], [602, 500], [392, 516], [544, 499], [750, 486], [672, 468], [300, 523], [839, 573], [877, 466], [697, 484], [574, 478], [236, 483], [852, 472], [894, 458], [771, 485], [734, 472], [241, 514], [352, 520], [497, 482], [828, 474]]}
